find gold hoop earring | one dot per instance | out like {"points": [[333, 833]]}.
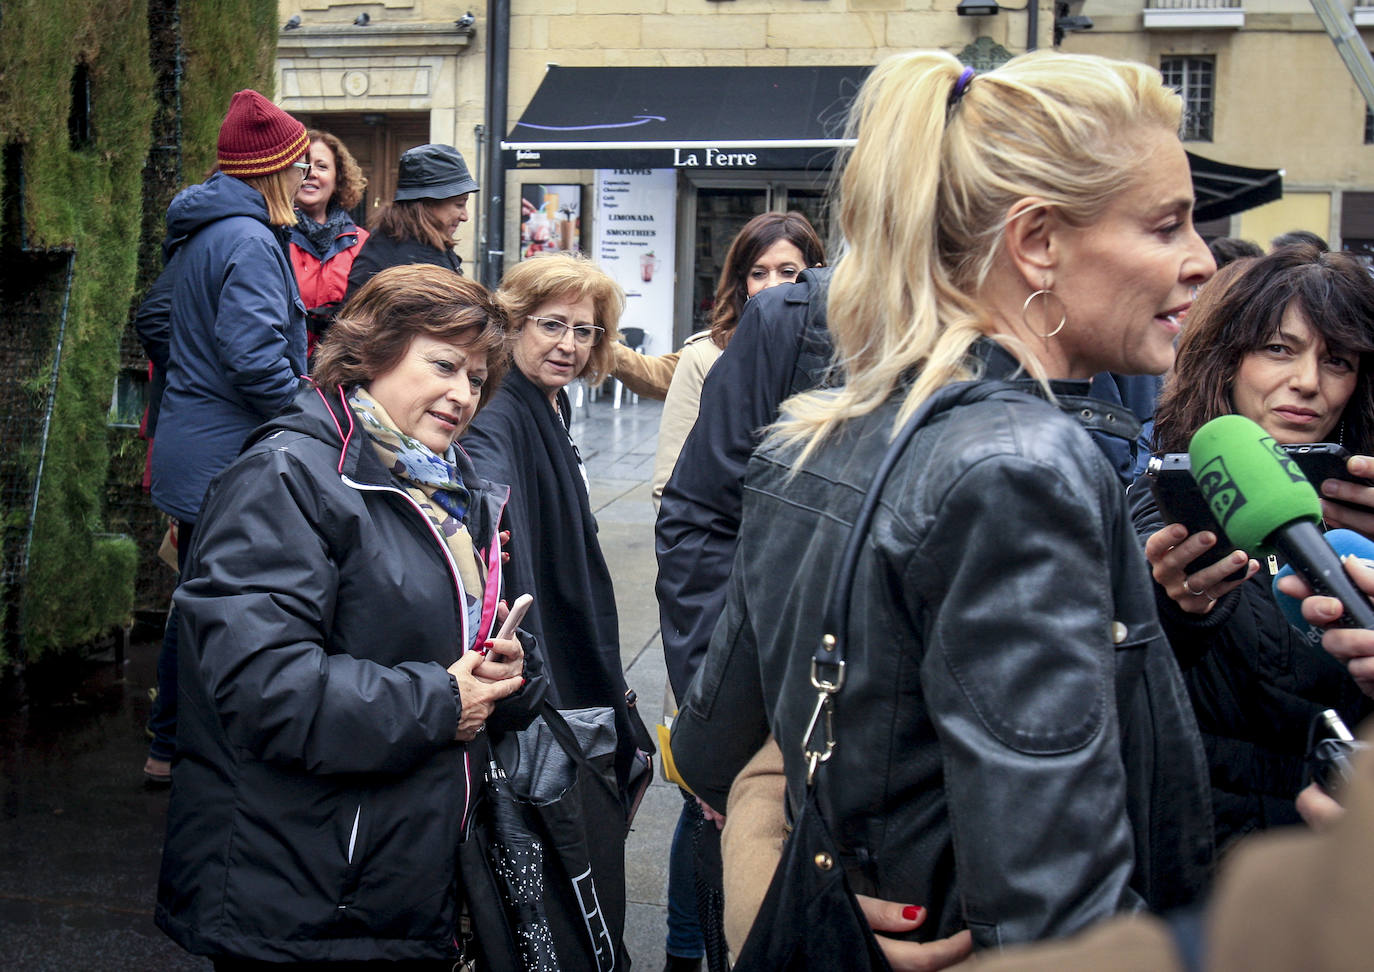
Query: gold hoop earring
{"points": [[1047, 294]]}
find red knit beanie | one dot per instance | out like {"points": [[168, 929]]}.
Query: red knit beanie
{"points": [[258, 138]]}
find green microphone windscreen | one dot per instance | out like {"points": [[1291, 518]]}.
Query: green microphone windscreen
{"points": [[1250, 483]]}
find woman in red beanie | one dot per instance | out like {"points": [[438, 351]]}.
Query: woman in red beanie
{"points": [[225, 329]]}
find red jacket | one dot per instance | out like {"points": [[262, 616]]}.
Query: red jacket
{"points": [[325, 281]]}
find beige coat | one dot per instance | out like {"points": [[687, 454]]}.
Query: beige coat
{"points": [[681, 406]]}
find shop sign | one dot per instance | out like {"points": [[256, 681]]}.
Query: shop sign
{"points": [[714, 158], [635, 242]]}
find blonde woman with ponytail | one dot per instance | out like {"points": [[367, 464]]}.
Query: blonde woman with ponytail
{"points": [[1015, 752]]}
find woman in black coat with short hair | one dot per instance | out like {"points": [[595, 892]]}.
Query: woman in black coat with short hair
{"points": [[340, 665]]}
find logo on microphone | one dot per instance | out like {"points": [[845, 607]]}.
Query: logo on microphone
{"points": [[1287, 462], [1219, 489]]}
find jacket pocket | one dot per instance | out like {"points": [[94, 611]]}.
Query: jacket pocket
{"points": [[290, 876], [353, 828]]}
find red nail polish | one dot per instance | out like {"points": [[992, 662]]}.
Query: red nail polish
{"points": [[487, 644], [911, 912], [523, 681]]}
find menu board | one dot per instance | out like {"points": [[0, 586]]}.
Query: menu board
{"points": [[550, 218], [635, 242]]}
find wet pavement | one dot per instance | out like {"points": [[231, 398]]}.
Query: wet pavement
{"points": [[80, 836]]}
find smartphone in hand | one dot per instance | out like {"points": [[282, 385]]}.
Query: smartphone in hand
{"points": [[1320, 461], [515, 616], [1180, 501]]}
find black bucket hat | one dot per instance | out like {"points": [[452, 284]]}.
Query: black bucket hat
{"points": [[433, 172]]}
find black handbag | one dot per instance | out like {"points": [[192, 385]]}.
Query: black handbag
{"points": [[810, 918], [543, 855]]}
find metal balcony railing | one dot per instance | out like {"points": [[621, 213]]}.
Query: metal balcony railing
{"points": [[1209, 4]]}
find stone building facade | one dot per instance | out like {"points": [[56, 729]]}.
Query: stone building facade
{"points": [[1264, 84], [1265, 87], [411, 74]]}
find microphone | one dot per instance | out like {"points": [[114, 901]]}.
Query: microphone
{"points": [[1346, 543], [1265, 505]]}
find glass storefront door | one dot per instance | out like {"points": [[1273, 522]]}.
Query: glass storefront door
{"points": [[713, 209]]}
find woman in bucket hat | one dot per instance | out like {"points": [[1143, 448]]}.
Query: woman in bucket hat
{"points": [[432, 189], [225, 328]]}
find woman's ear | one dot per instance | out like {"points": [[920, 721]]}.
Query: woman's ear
{"points": [[1029, 240]]}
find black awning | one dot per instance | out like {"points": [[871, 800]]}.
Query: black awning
{"points": [[1222, 189], [685, 117]]}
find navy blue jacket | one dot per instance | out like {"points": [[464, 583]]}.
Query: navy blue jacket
{"points": [[232, 333]]}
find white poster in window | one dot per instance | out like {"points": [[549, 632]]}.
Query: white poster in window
{"points": [[635, 242]]}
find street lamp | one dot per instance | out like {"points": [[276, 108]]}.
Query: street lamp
{"points": [[977, 8]]}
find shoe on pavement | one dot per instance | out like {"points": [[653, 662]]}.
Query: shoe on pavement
{"points": [[157, 772]]}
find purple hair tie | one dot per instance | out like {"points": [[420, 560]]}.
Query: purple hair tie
{"points": [[960, 86]]}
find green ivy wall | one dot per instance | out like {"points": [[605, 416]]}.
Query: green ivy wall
{"points": [[89, 200]]}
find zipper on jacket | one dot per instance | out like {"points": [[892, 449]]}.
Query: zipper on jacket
{"points": [[462, 604], [353, 837], [443, 548]]}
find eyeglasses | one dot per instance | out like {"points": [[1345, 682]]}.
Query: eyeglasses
{"points": [[552, 328], [303, 166]]}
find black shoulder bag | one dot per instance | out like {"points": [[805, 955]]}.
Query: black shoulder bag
{"points": [[810, 918]]}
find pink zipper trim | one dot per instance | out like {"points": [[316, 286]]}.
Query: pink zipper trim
{"points": [[343, 452], [346, 438], [492, 592], [489, 594]]}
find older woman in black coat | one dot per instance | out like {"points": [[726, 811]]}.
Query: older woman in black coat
{"points": [[339, 660], [563, 311]]}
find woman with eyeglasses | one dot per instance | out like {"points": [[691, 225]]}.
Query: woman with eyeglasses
{"points": [[563, 311], [225, 329]]}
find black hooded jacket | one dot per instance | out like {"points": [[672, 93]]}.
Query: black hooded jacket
{"points": [[318, 794]]}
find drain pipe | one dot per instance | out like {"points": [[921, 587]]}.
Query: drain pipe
{"points": [[1032, 24], [480, 141], [494, 190]]}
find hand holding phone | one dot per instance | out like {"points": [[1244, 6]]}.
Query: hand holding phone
{"points": [[514, 616], [1180, 501], [1321, 461], [498, 663]]}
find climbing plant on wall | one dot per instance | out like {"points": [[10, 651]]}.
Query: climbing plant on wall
{"points": [[76, 111]]}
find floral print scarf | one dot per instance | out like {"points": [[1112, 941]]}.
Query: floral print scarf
{"points": [[435, 484]]}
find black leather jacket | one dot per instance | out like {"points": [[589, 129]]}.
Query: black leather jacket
{"points": [[1015, 748], [1256, 683]]}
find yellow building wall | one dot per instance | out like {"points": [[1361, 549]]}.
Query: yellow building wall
{"points": [[1284, 100], [406, 73], [1295, 211]]}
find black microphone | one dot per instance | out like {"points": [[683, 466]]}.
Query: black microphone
{"points": [[1265, 504]]}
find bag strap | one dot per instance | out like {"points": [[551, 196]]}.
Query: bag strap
{"points": [[827, 661]]}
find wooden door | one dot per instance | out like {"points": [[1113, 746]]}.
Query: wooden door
{"points": [[377, 141]]}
